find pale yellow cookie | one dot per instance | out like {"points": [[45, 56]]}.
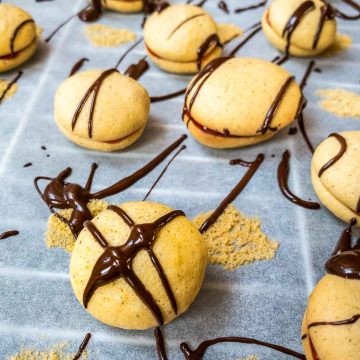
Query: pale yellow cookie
{"points": [[178, 246], [230, 107], [334, 299], [119, 116], [18, 37], [338, 187], [123, 6], [304, 39], [174, 35]]}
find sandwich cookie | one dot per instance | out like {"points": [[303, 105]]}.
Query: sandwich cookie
{"points": [[138, 265], [235, 102], [182, 38], [102, 110]]}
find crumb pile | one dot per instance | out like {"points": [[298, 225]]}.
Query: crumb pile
{"points": [[227, 32], [341, 43], [236, 239], [250, 357], [11, 92], [340, 102], [107, 36], [58, 233], [57, 352]]}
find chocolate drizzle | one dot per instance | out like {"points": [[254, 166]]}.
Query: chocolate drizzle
{"points": [[59, 194], [212, 40], [199, 4], [160, 344], [345, 260], [222, 5], [338, 156], [349, 321], [92, 12], [183, 23], [282, 176], [344, 16], [15, 33], [77, 66], [326, 13], [254, 29], [136, 70], [251, 7], [200, 351], [291, 25], [9, 85], [82, 346], [155, 99], [54, 32], [8, 234], [132, 47], [253, 166], [94, 91], [117, 261]]}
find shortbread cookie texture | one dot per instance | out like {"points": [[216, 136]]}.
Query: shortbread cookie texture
{"points": [[138, 265], [124, 6]]}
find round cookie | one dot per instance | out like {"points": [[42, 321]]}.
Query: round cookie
{"points": [[102, 110], [334, 299], [123, 6], [133, 232], [235, 102], [315, 30], [338, 186], [175, 37], [18, 37]]}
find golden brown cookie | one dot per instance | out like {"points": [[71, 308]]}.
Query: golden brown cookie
{"points": [[123, 6], [138, 265], [102, 110], [236, 102]]}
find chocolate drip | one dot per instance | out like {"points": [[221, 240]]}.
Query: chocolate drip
{"points": [[155, 99], [205, 46], [15, 33], [82, 347], [77, 66], [136, 70], [274, 107], [282, 175], [199, 4], [132, 47], [345, 260], [8, 234], [222, 5], [344, 16], [92, 12], [163, 171], [183, 23], [307, 74], [160, 344], [251, 7], [326, 13], [94, 91], [52, 34], [200, 351], [253, 31], [338, 156], [27, 165], [59, 194], [349, 321], [291, 26], [151, 6], [292, 131], [9, 85], [235, 191], [117, 261]]}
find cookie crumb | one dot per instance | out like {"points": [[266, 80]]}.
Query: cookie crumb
{"points": [[107, 36], [58, 233], [341, 43], [228, 32], [236, 239], [56, 352], [250, 357], [340, 102], [11, 92]]}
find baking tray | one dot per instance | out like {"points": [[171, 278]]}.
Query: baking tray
{"points": [[265, 299]]}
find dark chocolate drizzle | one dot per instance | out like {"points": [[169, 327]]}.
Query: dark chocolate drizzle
{"points": [[345, 260], [59, 27], [183, 147], [222, 5], [59, 194], [92, 12], [117, 261], [253, 167], [201, 3], [160, 344], [292, 131], [200, 351], [127, 52], [291, 25], [94, 91], [177, 27], [82, 346], [326, 13], [282, 176], [349, 321], [155, 99], [77, 66], [251, 7], [135, 71], [8, 234], [27, 165], [9, 85], [338, 156], [344, 16], [253, 30], [212, 40], [15, 33]]}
